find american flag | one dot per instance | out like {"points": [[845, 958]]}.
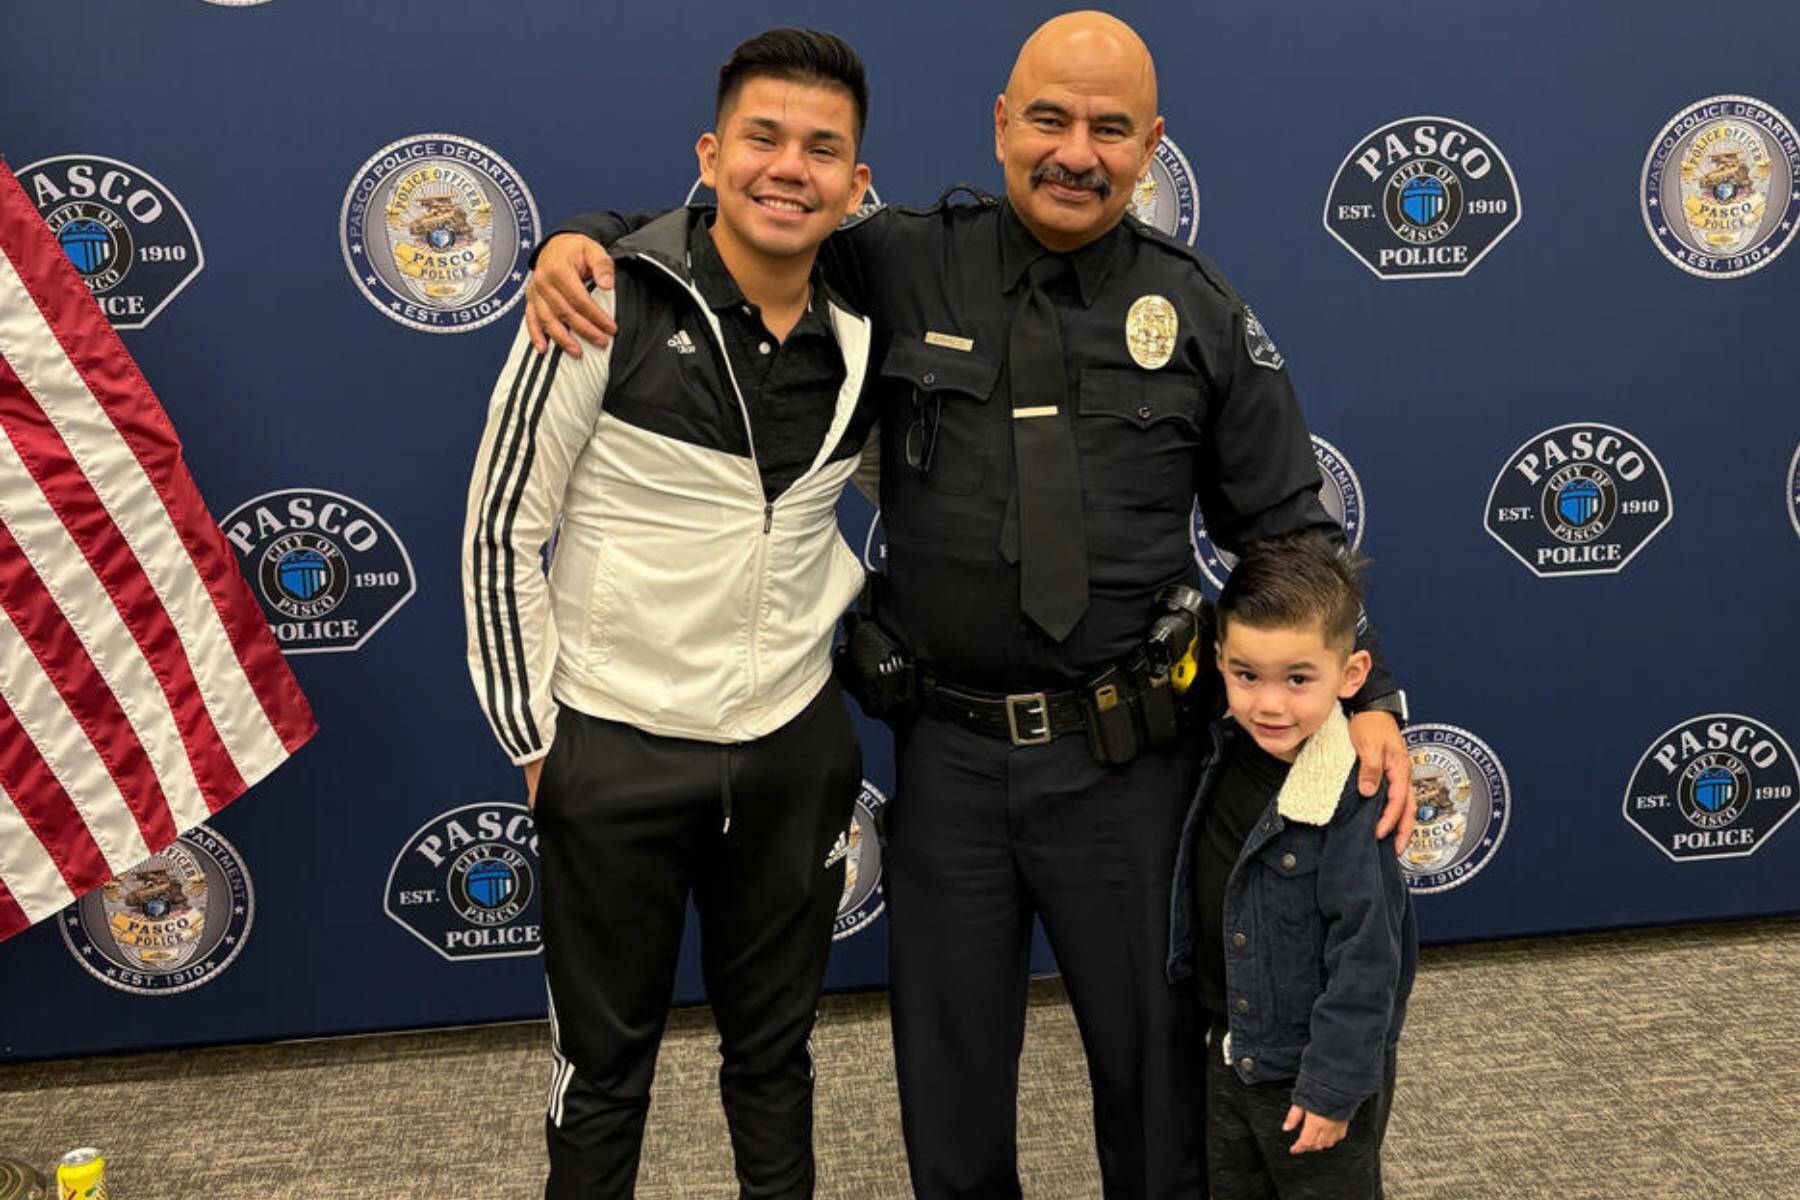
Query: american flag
{"points": [[140, 688]]}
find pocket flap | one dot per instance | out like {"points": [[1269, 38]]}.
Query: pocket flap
{"points": [[1140, 397], [938, 368]]}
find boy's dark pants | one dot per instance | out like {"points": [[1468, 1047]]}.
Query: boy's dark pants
{"points": [[1247, 1150], [630, 826]]}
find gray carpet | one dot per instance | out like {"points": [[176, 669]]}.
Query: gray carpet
{"points": [[1653, 1065]]}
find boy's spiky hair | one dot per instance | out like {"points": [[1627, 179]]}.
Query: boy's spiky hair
{"points": [[1296, 581]]}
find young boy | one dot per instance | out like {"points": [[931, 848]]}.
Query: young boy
{"points": [[1292, 920], [667, 690]]}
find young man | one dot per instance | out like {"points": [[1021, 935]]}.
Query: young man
{"points": [[1292, 920], [668, 689]]}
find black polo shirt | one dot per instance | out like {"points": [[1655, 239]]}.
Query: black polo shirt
{"points": [[1249, 779], [790, 387]]}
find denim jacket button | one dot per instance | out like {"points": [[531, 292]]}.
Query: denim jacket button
{"points": [[1243, 1006], [1238, 939], [1288, 861], [1246, 1064]]}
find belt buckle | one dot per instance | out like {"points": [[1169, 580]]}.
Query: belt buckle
{"points": [[1036, 737]]}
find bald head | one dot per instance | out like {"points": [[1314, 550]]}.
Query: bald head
{"points": [[1091, 47], [1076, 126]]}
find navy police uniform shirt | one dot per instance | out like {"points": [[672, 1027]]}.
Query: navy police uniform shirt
{"points": [[1204, 412]]}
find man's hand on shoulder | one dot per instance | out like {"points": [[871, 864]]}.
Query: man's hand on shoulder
{"points": [[558, 306], [1381, 749]]}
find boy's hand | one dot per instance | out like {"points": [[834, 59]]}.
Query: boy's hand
{"points": [[557, 303], [532, 770], [1319, 1133], [1382, 751]]}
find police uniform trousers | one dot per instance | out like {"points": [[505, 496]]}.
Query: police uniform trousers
{"points": [[982, 837], [630, 826]]}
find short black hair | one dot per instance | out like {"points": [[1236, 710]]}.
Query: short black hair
{"points": [[1298, 581], [801, 56]]}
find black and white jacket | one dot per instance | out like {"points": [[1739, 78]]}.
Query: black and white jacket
{"points": [[677, 599]]}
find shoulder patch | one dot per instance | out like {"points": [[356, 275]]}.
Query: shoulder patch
{"points": [[1259, 345], [869, 209]]}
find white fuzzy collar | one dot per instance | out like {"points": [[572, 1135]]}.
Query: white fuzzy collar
{"points": [[1315, 783]]}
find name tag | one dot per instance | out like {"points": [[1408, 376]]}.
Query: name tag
{"points": [[949, 341]]}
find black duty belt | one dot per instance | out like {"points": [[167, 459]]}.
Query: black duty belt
{"points": [[1022, 718]]}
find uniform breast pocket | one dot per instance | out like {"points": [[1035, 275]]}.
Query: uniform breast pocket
{"points": [[1137, 435], [940, 396]]}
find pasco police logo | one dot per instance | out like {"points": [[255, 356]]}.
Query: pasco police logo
{"points": [[860, 850], [1342, 496], [125, 232], [1793, 490], [1579, 499], [328, 570], [168, 925], [437, 231], [1165, 198], [1422, 198], [1720, 191], [1715, 786], [1464, 803], [467, 883]]}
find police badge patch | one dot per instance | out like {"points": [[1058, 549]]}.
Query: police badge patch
{"points": [[328, 570], [1341, 495], [125, 232], [467, 883], [1464, 803], [1259, 344], [863, 899], [1165, 198], [1579, 499], [1150, 329], [1720, 192], [168, 925], [437, 231], [1422, 198], [1714, 786]]}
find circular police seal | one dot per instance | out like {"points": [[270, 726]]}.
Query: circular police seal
{"points": [[437, 231], [126, 233], [1714, 786], [1463, 804], [860, 850], [1342, 497], [1720, 191], [1422, 198], [467, 883], [875, 549], [20, 1180], [328, 569], [1793, 490], [1165, 197], [170, 924], [1579, 499]]}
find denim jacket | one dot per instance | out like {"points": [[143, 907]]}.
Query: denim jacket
{"points": [[1320, 942]]}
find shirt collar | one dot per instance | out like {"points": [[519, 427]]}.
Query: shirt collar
{"points": [[720, 290], [1092, 263]]}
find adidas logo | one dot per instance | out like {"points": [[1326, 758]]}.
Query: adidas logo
{"points": [[838, 852], [681, 343]]}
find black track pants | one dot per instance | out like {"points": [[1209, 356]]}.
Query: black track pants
{"points": [[982, 837], [630, 825]]}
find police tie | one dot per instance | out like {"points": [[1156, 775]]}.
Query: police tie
{"points": [[1053, 572]]}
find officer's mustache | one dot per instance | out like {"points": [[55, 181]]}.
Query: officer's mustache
{"points": [[1094, 181]]}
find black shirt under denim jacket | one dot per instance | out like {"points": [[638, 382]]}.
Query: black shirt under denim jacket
{"points": [[1320, 942]]}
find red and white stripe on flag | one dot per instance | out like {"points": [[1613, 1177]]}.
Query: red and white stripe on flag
{"points": [[140, 688]]}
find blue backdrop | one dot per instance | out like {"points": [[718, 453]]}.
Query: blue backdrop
{"points": [[1570, 445]]}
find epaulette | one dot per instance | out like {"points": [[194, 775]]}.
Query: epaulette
{"points": [[982, 200], [1209, 271]]}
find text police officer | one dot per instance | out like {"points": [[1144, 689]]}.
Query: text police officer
{"points": [[1058, 385]]}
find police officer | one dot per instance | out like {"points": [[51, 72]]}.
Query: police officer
{"points": [[1058, 385]]}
